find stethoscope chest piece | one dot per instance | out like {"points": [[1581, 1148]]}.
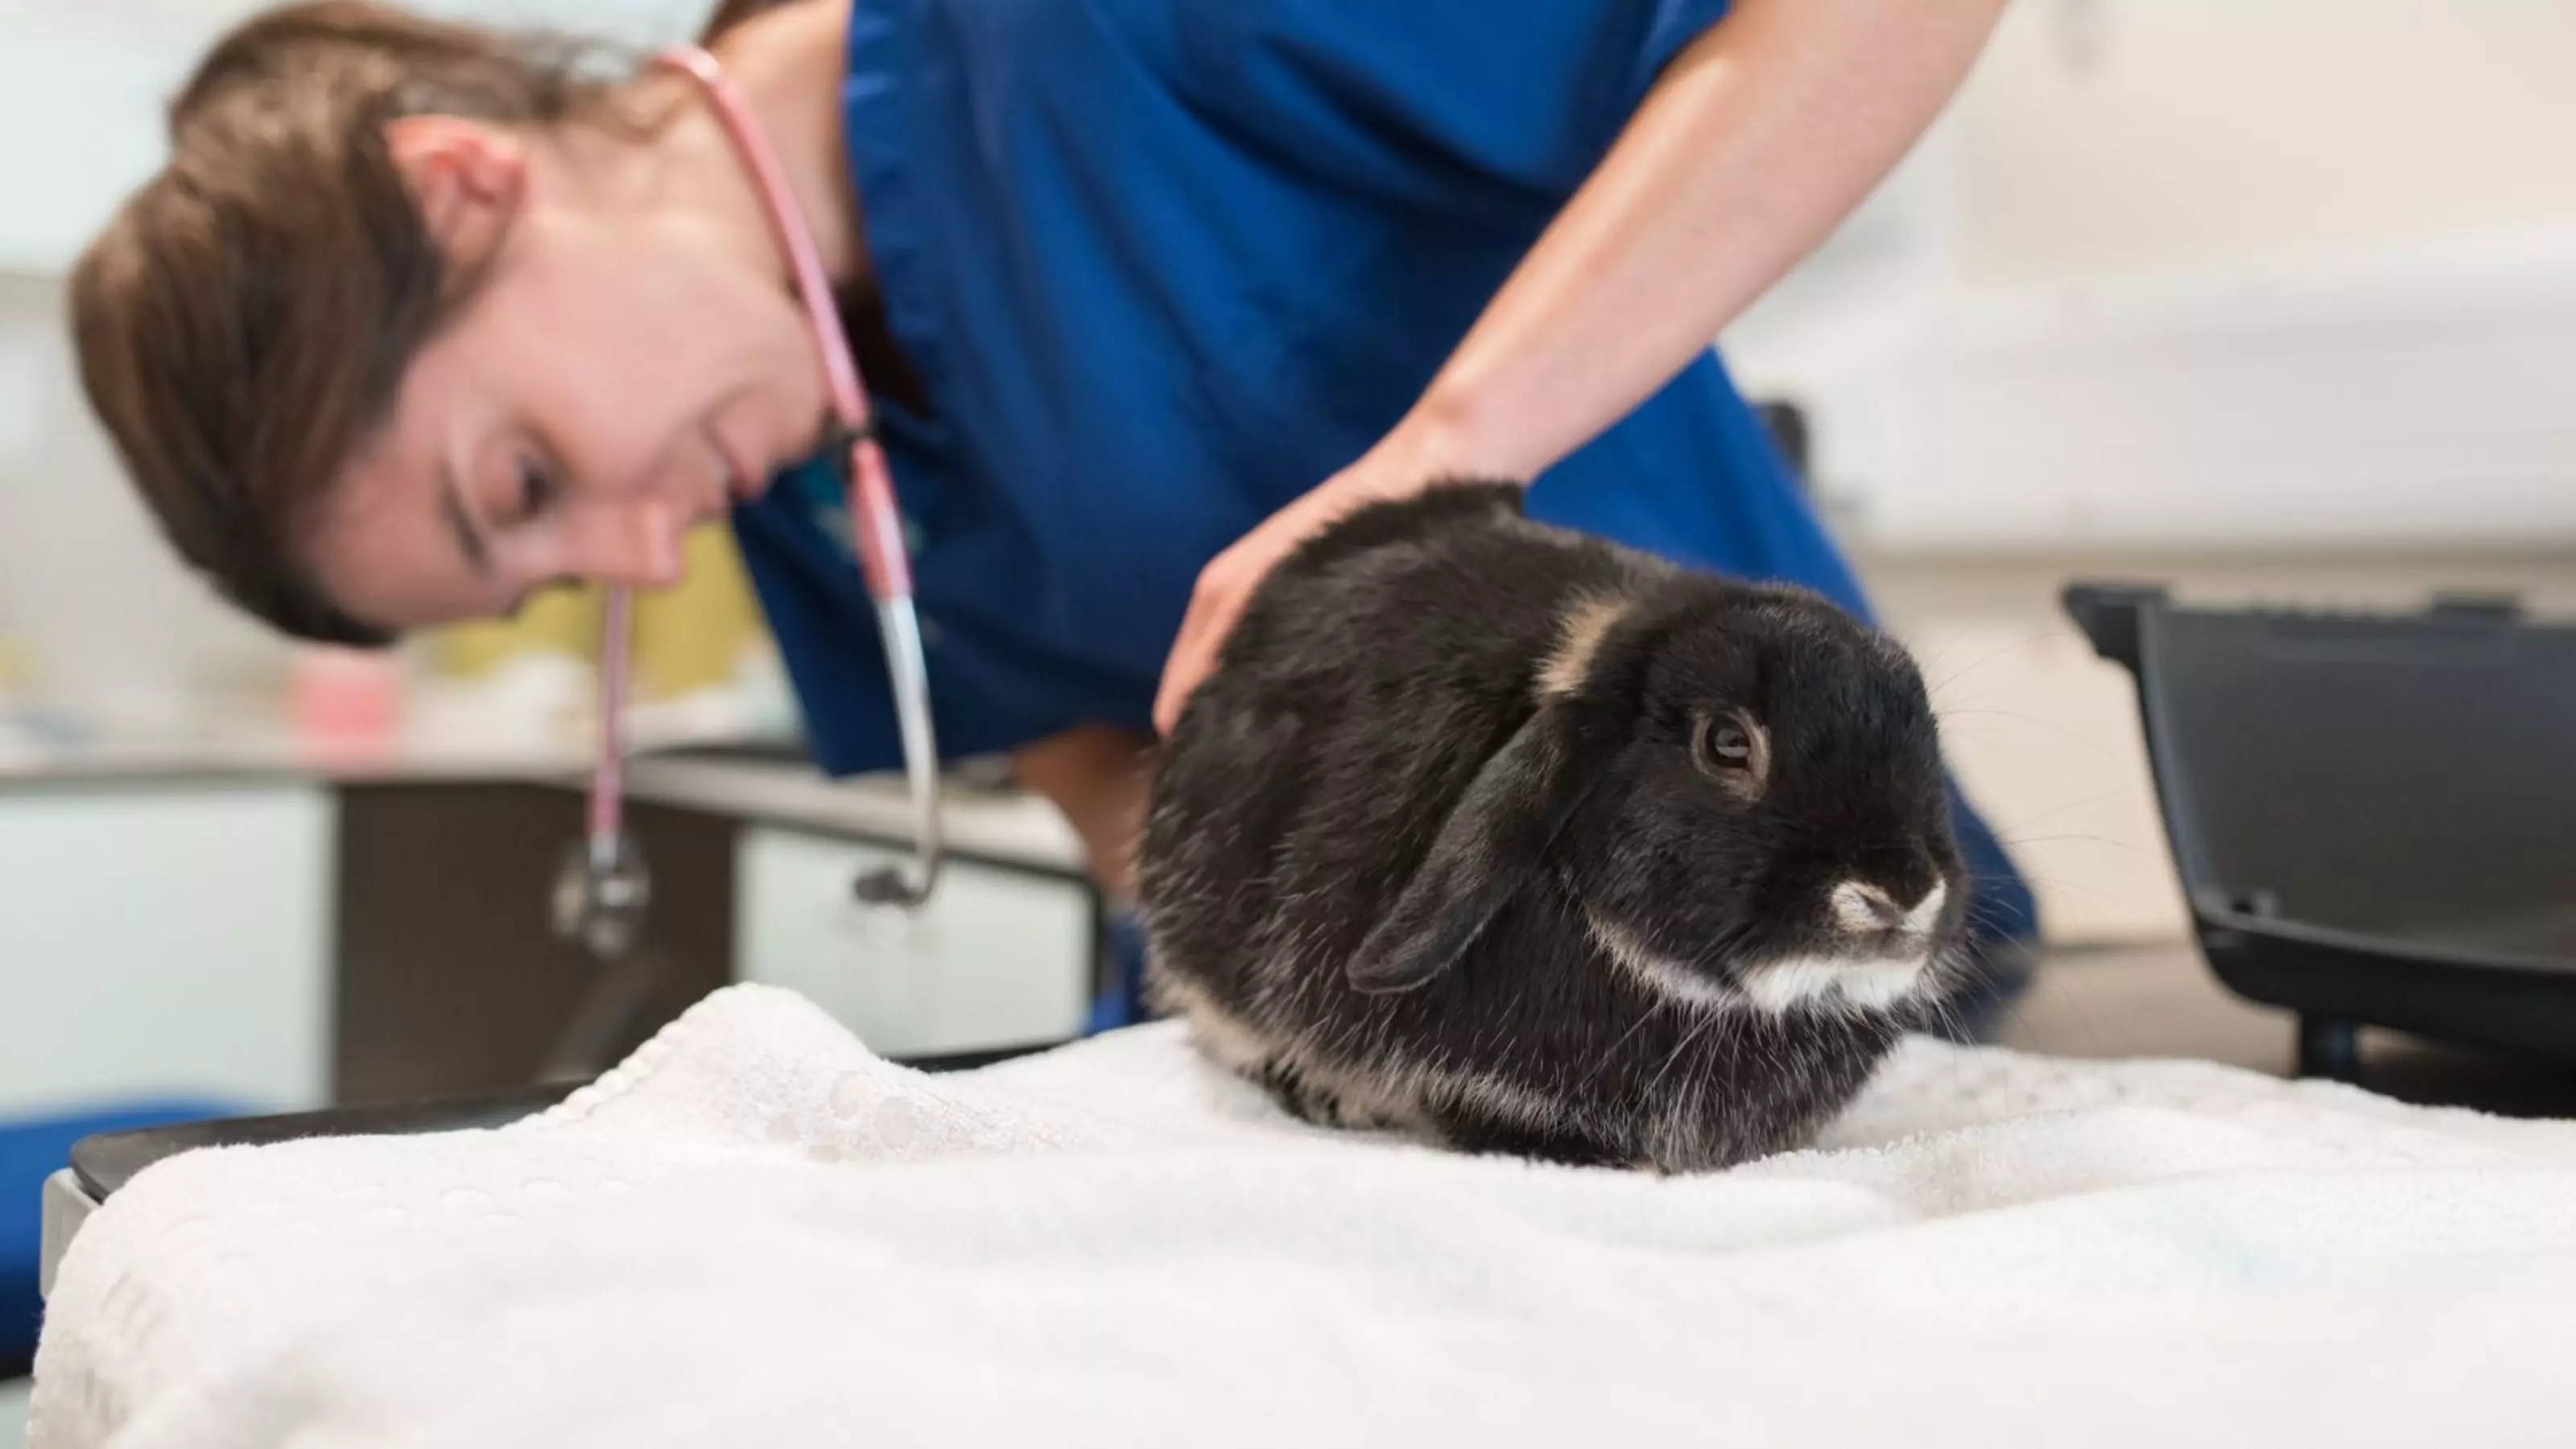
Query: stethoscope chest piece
{"points": [[601, 893]]}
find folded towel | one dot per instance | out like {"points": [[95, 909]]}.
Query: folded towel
{"points": [[756, 1232]]}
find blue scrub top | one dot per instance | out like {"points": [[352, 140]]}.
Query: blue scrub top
{"points": [[1165, 265]]}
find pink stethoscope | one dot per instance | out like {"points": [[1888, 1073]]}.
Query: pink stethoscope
{"points": [[601, 893]]}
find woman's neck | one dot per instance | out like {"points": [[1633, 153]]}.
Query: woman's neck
{"points": [[788, 63], [790, 58]]}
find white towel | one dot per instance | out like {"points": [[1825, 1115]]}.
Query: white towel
{"points": [[757, 1233]]}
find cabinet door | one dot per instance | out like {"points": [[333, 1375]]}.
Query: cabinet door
{"points": [[997, 958], [164, 940]]}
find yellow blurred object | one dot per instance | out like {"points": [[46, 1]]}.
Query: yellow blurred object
{"points": [[688, 638], [692, 637], [559, 621], [17, 670]]}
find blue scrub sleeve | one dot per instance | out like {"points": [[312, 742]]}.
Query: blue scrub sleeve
{"points": [[1522, 96]]}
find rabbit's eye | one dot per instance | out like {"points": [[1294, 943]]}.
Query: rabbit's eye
{"points": [[1732, 750], [1725, 745], [1731, 744]]}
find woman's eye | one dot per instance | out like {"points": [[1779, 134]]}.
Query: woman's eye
{"points": [[1723, 745], [536, 489]]}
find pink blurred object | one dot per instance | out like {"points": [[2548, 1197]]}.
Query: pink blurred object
{"points": [[345, 696]]}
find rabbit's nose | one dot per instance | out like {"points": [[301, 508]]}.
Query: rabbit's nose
{"points": [[1861, 907], [1868, 910]]}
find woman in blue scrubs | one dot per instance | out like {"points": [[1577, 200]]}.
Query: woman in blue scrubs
{"points": [[420, 319]]}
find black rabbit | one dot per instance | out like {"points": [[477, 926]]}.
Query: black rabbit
{"points": [[1530, 843]]}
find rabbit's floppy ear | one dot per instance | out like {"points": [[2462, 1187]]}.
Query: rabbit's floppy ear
{"points": [[1488, 851]]}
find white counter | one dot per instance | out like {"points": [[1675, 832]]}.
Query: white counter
{"points": [[1012, 827]]}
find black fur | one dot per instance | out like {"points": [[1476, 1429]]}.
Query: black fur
{"points": [[1374, 860]]}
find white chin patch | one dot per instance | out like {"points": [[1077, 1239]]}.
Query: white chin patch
{"points": [[1833, 981]]}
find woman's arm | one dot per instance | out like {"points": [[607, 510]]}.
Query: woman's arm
{"points": [[1759, 138]]}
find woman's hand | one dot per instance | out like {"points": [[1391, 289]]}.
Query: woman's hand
{"points": [[1420, 452]]}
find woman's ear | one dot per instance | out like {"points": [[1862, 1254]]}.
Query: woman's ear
{"points": [[468, 178]]}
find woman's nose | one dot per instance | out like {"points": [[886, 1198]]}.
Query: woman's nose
{"points": [[642, 545]]}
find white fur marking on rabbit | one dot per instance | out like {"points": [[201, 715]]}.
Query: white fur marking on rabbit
{"points": [[1382, 1099], [1862, 909], [1586, 625], [1657, 972], [1683, 1139], [1826, 980], [1338, 1098], [1227, 1042], [1865, 910], [1776, 988], [1498, 1097], [1400, 1099], [1881, 983]]}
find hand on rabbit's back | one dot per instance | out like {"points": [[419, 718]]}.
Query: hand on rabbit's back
{"points": [[1527, 842]]}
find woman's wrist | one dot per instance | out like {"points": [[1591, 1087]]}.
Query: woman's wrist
{"points": [[1450, 433]]}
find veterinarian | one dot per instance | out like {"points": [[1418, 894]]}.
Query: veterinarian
{"points": [[418, 319]]}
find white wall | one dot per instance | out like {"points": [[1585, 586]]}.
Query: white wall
{"points": [[80, 107], [117, 633], [82, 87], [2188, 274], [2103, 137]]}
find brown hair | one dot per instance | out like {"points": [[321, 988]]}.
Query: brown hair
{"points": [[244, 323]]}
